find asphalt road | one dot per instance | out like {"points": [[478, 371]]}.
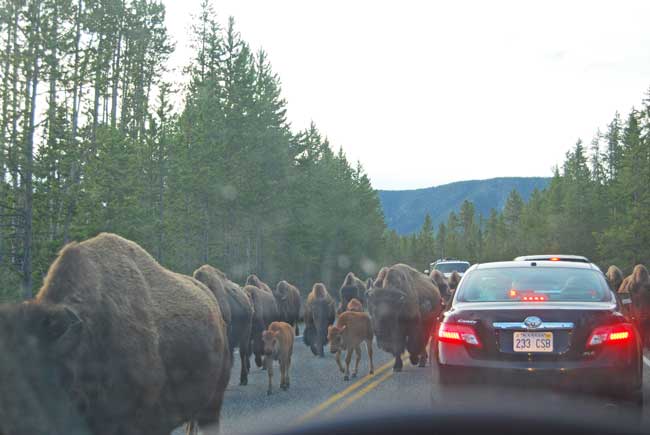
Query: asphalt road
{"points": [[318, 392]]}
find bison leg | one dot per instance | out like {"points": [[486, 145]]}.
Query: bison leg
{"points": [[369, 347], [268, 363], [284, 383], [297, 329], [286, 372], [397, 367], [245, 365], [338, 361], [357, 351], [423, 358], [348, 359]]}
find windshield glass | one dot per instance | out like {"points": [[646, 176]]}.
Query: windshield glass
{"points": [[541, 284], [451, 267], [250, 215]]}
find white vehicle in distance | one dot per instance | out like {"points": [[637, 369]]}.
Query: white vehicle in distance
{"points": [[447, 266]]}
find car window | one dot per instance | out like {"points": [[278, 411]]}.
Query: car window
{"points": [[533, 284], [451, 267]]}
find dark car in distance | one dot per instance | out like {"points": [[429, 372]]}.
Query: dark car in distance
{"points": [[545, 323]]}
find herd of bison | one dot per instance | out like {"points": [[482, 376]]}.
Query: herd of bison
{"points": [[115, 344]]}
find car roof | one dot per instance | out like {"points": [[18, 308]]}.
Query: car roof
{"points": [[561, 257], [538, 263]]}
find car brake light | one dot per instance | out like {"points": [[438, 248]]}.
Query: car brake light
{"points": [[618, 333], [456, 333], [534, 298], [527, 295]]}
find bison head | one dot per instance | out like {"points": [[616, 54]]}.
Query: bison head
{"points": [[36, 341], [281, 291], [354, 305], [387, 306], [335, 337], [270, 340]]}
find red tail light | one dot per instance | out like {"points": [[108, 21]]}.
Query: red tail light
{"points": [[612, 334], [459, 334], [554, 259]]}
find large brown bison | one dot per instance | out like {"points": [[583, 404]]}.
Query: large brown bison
{"points": [[638, 286], [404, 305], [265, 311], [113, 343], [443, 286], [614, 277], [287, 297], [255, 281], [237, 311], [352, 288], [320, 311]]}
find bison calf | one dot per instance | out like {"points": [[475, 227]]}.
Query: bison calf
{"points": [[352, 328], [278, 345]]}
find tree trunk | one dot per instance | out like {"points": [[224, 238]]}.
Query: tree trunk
{"points": [[27, 169], [73, 179]]}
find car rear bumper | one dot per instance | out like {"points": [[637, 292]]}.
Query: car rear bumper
{"points": [[606, 381], [610, 372]]}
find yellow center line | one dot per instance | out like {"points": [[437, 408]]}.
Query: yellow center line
{"points": [[359, 394], [352, 388]]}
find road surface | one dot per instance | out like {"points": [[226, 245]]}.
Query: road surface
{"points": [[318, 392]]}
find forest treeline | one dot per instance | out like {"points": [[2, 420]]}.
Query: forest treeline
{"points": [[597, 204], [92, 138]]}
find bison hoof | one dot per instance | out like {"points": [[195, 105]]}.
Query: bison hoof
{"points": [[397, 369], [414, 359], [372, 372], [423, 362], [342, 371], [243, 382], [346, 378]]}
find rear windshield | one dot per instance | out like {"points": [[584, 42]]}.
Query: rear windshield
{"points": [[451, 267], [534, 284]]}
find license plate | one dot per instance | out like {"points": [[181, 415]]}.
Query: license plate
{"points": [[532, 342]]}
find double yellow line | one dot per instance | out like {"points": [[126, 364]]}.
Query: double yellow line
{"points": [[351, 394]]}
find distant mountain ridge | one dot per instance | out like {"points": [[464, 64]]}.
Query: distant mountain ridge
{"points": [[404, 210]]}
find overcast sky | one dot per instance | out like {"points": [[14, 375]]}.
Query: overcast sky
{"points": [[430, 92]]}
